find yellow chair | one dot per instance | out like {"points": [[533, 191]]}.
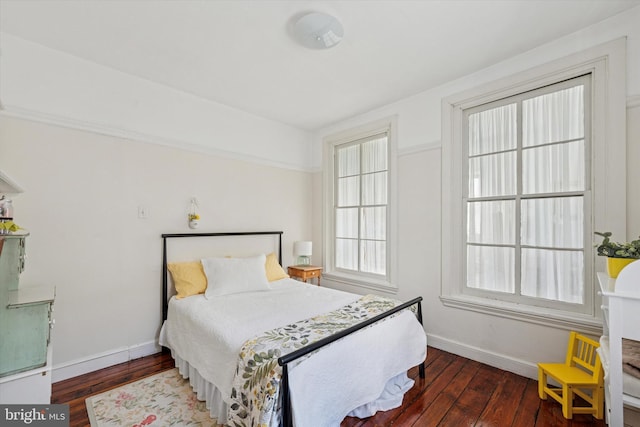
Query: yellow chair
{"points": [[581, 374]]}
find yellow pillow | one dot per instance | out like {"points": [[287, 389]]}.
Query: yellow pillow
{"points": [[274, 269], [188, 278]]}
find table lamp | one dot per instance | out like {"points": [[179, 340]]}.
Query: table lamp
{"points": [[303, 251]]}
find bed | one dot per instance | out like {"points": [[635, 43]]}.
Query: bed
{"points": [[291, 354]]}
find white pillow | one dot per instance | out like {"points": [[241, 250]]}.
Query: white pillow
{"points": [[227, 276]]}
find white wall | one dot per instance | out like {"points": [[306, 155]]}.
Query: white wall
{"points": [[82, 192], [508, 344], [52, 86], [90, 145]]}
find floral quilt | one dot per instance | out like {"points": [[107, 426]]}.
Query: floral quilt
{"points": [[255, 391]]}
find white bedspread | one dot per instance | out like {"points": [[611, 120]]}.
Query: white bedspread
{"points": [[370, 376], [210, 333]]}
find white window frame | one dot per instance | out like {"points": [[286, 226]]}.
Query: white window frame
{"points": [[520, 196], [607, 65], [388, 282]]}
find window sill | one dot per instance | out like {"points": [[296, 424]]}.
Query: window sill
{"points": [[575, 322], [360, 282]]}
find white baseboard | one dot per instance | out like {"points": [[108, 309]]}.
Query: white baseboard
{"points": [[500, 361], [103, 360]]}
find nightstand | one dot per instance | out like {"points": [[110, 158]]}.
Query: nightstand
{"points": [[305, 272]]}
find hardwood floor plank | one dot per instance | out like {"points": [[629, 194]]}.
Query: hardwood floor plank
{"points": [[504, 402], [455, 392], [529, 406], [110, 377], [435, 381], [445, 400], [472, 401]]}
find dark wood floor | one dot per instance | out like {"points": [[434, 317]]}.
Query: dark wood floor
{"points": [[455, 392]]}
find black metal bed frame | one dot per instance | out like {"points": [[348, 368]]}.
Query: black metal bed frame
{"points": [[287, 416]]}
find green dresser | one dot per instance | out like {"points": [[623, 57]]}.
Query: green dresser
{"points": [[25, 314]]}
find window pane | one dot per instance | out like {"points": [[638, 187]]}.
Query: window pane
{"points": [[347, 223], [492, 175], [361, 197], [349, 191], [491, 222], [553, 275], [557, 116], [491, 268], [555, 222], [374, 257], [374, 189], [493, 130], [347, 254], [374, 155], [348, 159], [374, 223], [553, 168]]}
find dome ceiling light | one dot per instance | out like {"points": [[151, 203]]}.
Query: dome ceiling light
{"points": [[318, 30]]}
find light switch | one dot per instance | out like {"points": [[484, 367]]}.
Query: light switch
{"points": [[143, 212]]}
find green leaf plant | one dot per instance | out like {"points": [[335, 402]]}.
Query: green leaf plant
{"points": [[613, 249]]}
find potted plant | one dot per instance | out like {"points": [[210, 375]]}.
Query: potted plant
{"points": [[194, 216], [194, 220], [619, 255]]}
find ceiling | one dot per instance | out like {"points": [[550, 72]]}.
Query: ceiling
{"points": [[241, 53]]}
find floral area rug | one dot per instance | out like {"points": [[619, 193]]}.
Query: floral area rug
{"points": [[164, 399]]}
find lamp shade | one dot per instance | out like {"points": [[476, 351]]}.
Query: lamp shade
{"points": [[303, 248]]}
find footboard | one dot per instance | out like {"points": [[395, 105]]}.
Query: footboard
{"points": [[287, 419]]}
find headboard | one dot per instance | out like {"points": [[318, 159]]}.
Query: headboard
{"points": [[167, 237]]}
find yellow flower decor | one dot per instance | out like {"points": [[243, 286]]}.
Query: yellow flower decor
{"points": [[194, 217], [8, 227]]}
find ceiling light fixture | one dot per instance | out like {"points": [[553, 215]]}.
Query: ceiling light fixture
{"points": [[318, 30]]}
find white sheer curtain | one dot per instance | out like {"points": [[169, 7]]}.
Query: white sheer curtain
{"points": [[525, 206]]}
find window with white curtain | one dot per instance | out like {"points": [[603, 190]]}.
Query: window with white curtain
{"points": [[527, 195], [532, 165], [359, 200], [361, 205]]}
